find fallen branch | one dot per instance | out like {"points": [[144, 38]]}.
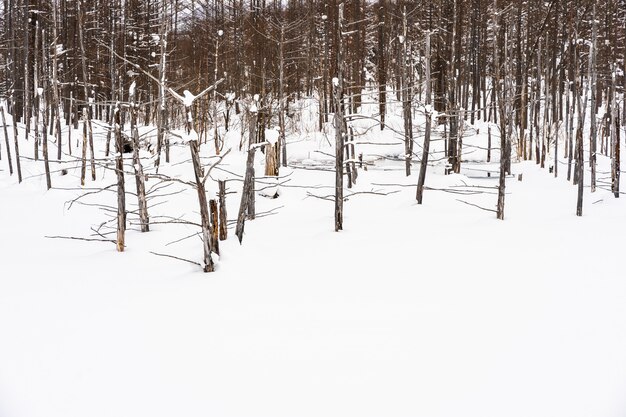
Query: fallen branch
{"points": [[477, 206], [176, 257], [81, 238]]}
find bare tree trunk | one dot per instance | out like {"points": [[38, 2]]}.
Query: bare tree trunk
{"points": [[216, 136], [18, 165], [139, 176], [204, 210], [112, 75], [615, 143], [36, 89], [119, 171], [81, 21], [248, 185], [426, 147], [339, 125], [223, 216], [215, 243], [281, 99], [6, 139], [593, 80], [162, 80], [406, 98], [382, 71], [83, 167], [579, 178], [503, 132], [55, 84], [489, 143], [27, 106], [46, 162]]}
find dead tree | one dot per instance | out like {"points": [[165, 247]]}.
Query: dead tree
{"points": [[406, 96], [83, 166], [6, 139], [428, 113], [18, 165], [207, 234], [44, 132], [282, 144], [187, 100], [246, 207], [579, 176], [592, 85], [223, 221], [500, 97], [140, 180], [81, 23], [119, 171], [215, 243], [615, 143], [339, 125], [161, 118], [55, 85], [37, 90]]}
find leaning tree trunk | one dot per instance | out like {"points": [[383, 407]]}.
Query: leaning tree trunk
{"points": [[6, 139], [194, 146], [18, 165], [246, 207], [427, 105]]}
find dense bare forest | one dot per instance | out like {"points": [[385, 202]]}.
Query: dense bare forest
{"points": [[489, 60]]}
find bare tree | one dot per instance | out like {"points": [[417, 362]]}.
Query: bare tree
{"points": [[428, 113]]}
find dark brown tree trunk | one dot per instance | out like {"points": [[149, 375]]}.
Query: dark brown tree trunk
{"points": [[6, 140], [428, 110], [119, 171], [339, 125], [142, 203], [223, 216], [248, 187], [204, 210]]}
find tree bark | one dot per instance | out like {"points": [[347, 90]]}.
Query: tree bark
{"points": [[119, 171], [6, 140], [204, 211], [248, 186], [406, 98], [81, 21], [427, 105], [223, 215], [339, 125], [138, 168], [18, 165], [215, 243]]}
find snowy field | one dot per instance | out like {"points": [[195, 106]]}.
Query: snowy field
{"points": [[437, 310]]}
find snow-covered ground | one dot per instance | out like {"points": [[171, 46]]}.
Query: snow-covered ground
{"points": [[432, 310]]}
